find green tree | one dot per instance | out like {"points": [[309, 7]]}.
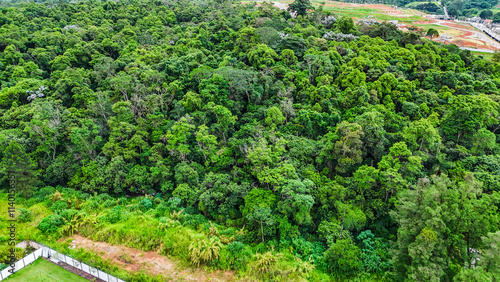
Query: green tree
{"points": [[263, 217], [274, 117], [300, 7], [178, 136], [347, 149], [18, 167], [486, 14], [428, 215], [466, 114], [343, 258], [431, 32], [262, 56]]}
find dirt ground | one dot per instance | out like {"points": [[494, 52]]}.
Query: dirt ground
{"points": [[458, 25], [148, 262], [384, 8]]}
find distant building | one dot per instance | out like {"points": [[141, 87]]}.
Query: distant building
{"points": [[436, 17], [474, 19]]}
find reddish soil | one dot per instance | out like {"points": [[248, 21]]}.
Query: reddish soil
{"points": [[467, 33], [460, 26], [463, 43], [384, 8], [430, 21], [149, 262]]}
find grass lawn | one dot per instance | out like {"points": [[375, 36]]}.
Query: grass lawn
{"points": [[32, 273]]}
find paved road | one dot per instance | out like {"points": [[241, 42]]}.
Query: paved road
{"points": [[480, 27], [479, 34], [477, 50]]}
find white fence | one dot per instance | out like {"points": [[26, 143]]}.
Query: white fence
{"points": [[44, 251]]}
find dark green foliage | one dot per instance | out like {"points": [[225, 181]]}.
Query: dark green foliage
{"points": [[239, 255], [343, 258], [59, 206], [300, 7], [486, 14], [25, 215], [115, 214], [50, 224], [374, 253]]}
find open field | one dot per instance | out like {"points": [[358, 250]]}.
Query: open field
{"points": [[463, 34], [42, 270]]}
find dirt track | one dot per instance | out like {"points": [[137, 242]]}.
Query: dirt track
{"points": [[149, 262]]}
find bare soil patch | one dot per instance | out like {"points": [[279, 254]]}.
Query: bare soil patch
{"points": [[458, 25], [148, 262]]}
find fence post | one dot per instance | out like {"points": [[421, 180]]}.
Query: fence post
{"points": [[24, 264], [1, 275]]}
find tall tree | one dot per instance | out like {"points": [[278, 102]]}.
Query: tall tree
{"points": [[18, 167], [300, 7]]}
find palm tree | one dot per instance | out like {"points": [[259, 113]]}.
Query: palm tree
{"points": [[72, 226]]}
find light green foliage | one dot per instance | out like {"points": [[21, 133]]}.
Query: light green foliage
{"points": [[207, 143], [206, 250], [264, 262], [428, 214], [347, 149], [297, 202], [484, 141], [466, 114], [25, 215], [343, 258], [274, 117], [422, 136], [178, 136], [262, 56], [288, 57]]}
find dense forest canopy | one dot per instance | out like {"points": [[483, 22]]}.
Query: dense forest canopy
{"points": [[362, 151]]}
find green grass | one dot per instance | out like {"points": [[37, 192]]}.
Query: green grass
{"points": [[38, 272], [413, 4]]}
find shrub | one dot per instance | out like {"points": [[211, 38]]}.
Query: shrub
{"points": [[59, 206], [174, 203], [101, 198], [25, 215], [50, 224], [307, 250], [114, 215], [145, 204], [44, 192], [204, 250], [91, 205], [193, 220], [264, 262], [342, 258], [239, 255], [68, 214], [109, 203]]}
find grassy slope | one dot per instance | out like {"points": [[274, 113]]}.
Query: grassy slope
{"points": [[47, 267], [136, 229]]}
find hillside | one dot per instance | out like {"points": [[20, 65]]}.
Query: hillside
{"points": [[242, 143]]}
